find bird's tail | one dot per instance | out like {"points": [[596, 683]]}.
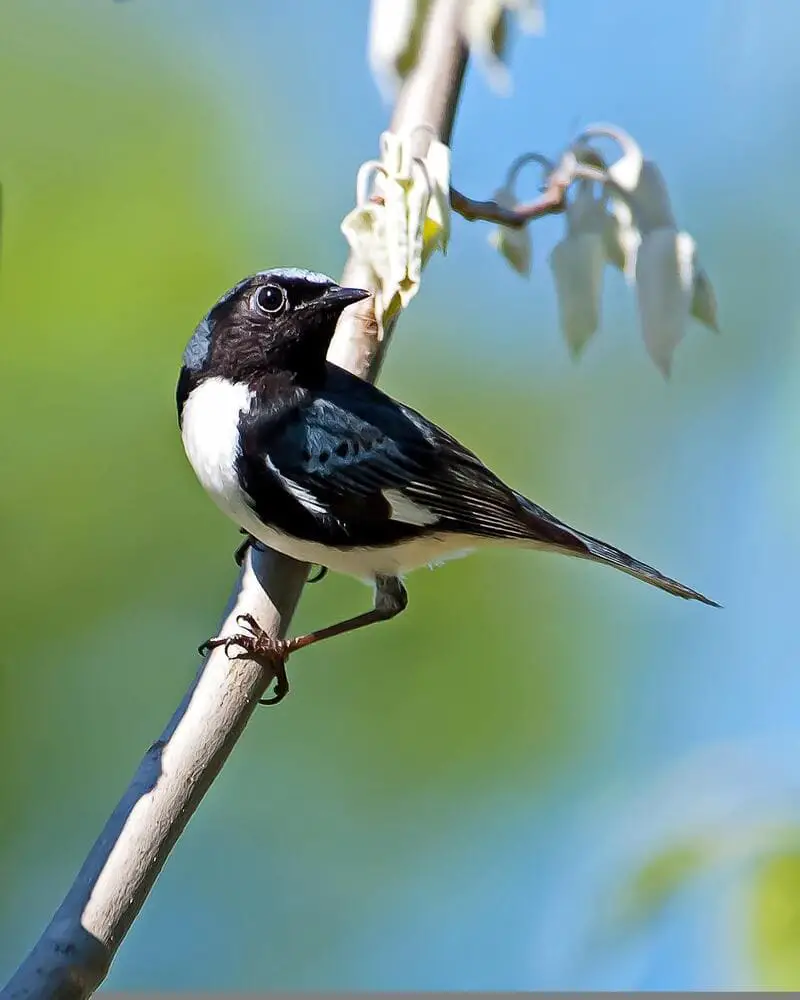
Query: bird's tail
{"points": [[549, 532]]}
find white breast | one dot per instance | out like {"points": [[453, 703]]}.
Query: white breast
{"points": [[210, 432]]}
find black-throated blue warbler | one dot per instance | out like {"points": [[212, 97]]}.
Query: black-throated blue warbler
{"points": [[324, 467]]}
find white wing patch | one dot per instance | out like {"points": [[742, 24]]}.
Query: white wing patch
{"points": [[405, 510], [300, 493]]}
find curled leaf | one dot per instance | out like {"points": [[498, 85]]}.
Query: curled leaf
{"points": [[640, 237], [402, 215]]}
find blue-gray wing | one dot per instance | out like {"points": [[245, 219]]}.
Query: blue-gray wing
{"points": [[349, 466]]}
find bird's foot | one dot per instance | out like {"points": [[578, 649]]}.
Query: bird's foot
{"points": [[255, 644], [241, 551]]}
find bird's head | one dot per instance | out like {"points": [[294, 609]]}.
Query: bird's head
{"points": [[281, 320]]}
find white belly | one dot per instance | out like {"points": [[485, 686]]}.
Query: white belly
{"points": [[210, 432]]}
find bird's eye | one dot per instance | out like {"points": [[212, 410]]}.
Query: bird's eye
{"points": [[270, 299]]}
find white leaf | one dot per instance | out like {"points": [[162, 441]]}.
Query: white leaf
{"points": [[402, 216], [704, 301], [394, 34], [396, 156], [650, 201], [530, 14], [485, 29], [514, 244], [585, 212], [627, 170], [437, 223], [665, 271], [640, 182], [577, 263], [621, 238], [363, 229]]}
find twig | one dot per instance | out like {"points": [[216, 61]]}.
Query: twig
{"points": [[551, 202], [553, 199], [73, 955]]}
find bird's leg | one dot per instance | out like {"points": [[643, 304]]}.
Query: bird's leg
{"points": [[390, 600]]}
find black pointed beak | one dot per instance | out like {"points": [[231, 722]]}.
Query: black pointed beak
{"points": [[338, 297]]}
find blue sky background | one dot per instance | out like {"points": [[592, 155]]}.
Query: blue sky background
{"points": [[311, 875]]}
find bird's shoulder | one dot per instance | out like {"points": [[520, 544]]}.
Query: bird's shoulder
{"points": [[343, 410]]}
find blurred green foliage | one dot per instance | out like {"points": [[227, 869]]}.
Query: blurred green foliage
{"points": [[656, 881], [774, 925]]}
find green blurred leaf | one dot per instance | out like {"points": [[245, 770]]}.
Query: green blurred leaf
{"points": [[775, 920], [660, 878]]}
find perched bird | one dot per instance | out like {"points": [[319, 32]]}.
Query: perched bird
{"points": [[324, 467]]}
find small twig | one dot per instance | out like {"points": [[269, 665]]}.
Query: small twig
{"points": [[552, 201]]}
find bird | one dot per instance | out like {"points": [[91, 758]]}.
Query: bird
{"points": [[324, 467]]}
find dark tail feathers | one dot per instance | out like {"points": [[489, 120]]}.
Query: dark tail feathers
{"points": [[548, 530]]}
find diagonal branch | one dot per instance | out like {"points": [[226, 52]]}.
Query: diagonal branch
{"points": [[75, 951]]}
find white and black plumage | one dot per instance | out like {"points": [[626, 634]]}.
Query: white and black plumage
{"points": [[326, 468]]}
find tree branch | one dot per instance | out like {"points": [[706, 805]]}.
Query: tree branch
{"points": [[74, 953]]}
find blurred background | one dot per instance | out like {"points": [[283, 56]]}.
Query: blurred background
{"points": [[544, 774]]}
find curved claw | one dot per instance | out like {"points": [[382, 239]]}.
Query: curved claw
{"points": [[230, 642], [205, 647], [247, 621], [322, 571], [281, 688]]}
